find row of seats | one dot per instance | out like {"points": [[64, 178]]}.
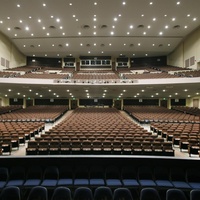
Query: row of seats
{"points": [[89, 147], [100, 193], [159, 114], [158, 177]]}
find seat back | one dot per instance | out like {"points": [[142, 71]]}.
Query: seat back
{"points": [[103, 193], [83, 193], [175, 194], [195, 194], [61, 193], [122, 193], [10, 193], [38, 193], [149, 194]]}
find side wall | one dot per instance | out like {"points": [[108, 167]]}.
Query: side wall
{"points": [[10, 56], [187, 51]]}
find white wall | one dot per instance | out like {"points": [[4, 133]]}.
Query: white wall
{"points": [[188, 48], [9, 52]]}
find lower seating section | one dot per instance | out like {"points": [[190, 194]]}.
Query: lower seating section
{"points": [[98, 131], [183, 135], [159, 114], [14, 134], [93, 173], [35, 113]]}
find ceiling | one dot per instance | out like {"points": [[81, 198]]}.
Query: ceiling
{"points": [[132, 28], [92, 27]]}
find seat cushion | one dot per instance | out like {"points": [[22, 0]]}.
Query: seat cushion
{"points": [[32, 182], [97, 182], [130, 182], [65, 182], [113, 182], [149, 183]]}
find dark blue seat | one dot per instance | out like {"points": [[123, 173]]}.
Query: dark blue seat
{"points": [[17, 176], [162, 177], [113, 177], [149, 194], [38, 192], [195, 194], [103, 193], [175, 194], [129, 177], [81, 177], [33, 177], [193, 178], [65, 176], [3, 176], [10, 193], [61, 193], [50, 178], [122, 193], [97, 175], [145, 177], [83, 193], [178, 178]]}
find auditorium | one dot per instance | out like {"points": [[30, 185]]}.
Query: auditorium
{"points": [[100, 100]]}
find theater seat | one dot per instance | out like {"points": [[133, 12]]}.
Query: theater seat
{"points": [[175, 194], [122, 193], [149, 194], [103, 193], [61, 193], [38, 192], [10, 193], [83, 193]]}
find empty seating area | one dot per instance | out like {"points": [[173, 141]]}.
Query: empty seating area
{"points": [[26, 69], [94, 131], [45, 76], [8, 109], [149, 76], [35, 113], [186, 109], [129, 180], [195, 73], [159, 114], [14, 134], [95, 75], [8, 74], [185, 136]]}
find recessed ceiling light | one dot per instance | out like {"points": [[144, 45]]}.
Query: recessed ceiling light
{"points": [[185, 90], [20, 21], [128, 33], [24, 45], [124, 44], [48, 34], [44, 4], [81, 44], [95, 3], [32, 34], [63, 33], [139, 44], [188, 15], [53, 45], [123, 3], [189, 96], [154, 19], [142, 15], [131, 26], [110, 44], [178, 2], [8, 17], [144, 33], [15, 35], [166, 26], [94, 19], [173, 19], [119, 15], [148, 27], [112, 33], [61, 27], [39, 20], [165, 15], [43, 28], [95, 44], [194, 19], [18, 5], [67, 44], [160, 33], [153, 44], [58, 20], [185, 26], [29, 17], [52, 16], [79, 33], [89, 52], [70, 4], [113, 26], [1, 22], [27, 28], [45, 55], [169, 45], [94, 33]]}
